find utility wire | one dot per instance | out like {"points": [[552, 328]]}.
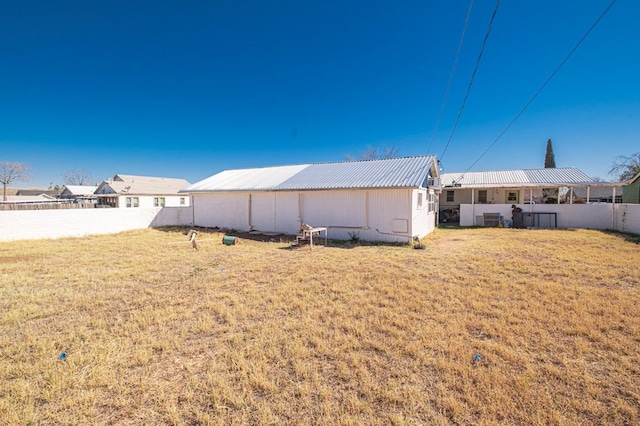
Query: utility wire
{"points": [[473, 75], [535, 95], [453, 71]]}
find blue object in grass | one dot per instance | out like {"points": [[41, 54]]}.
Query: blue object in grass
{"points": [[477, 358], [63, 356]]}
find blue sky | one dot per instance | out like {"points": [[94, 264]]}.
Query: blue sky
{"points": [[187, 89]]}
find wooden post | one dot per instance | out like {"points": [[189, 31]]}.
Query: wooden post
{"points": [[192, 238]]}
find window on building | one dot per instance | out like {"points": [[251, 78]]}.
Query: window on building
{"points": [[158, 201], [108, 201], [432, 202], [482, 196], [512, 197], [182, 201], [450, 195], [419, 200], [132, 202]]}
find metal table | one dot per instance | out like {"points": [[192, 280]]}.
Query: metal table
{"points": [[309, 233]]}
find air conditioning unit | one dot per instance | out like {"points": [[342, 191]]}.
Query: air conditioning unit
{"points": [[433, 182]]}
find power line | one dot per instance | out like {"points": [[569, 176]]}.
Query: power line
{"points": [[453, 71], [535, 95], [473, 75]]}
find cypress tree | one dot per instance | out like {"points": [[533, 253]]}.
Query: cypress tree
{"points": [[549, 158]]}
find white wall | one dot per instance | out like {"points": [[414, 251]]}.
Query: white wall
{"points": [[627, 218], [148, 200], [287, 220], [623, 217], [36, 224], [423, 220], [494, 196], [222, 209], [382, 208]]}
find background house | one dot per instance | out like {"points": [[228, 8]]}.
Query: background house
{"points": [[377, 200], [595, 194], [504, 187], [33, 201], [472, 198], [79, 193], [131, 191], [49, 193], [631, 191]]}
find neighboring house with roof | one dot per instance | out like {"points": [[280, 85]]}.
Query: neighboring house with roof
{"points": [[391, 200], [27, 202], [79, 193], [631, 191], [492, 193], [29, 199], [597, 194], [52, 193], [129, 191], [503, 187]]}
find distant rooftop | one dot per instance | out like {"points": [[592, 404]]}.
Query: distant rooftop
{"points": [[143, 185], [563, 176], [79, 189]]}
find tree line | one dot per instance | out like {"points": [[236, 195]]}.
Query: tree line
{"points": [[14, 171]]}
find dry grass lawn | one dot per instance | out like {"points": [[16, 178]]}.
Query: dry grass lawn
{"points": [[155, 332]]}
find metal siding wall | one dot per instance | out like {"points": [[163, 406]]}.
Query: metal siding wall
{"points": [[287, 212], [263, 210], [224, 210], [333, 208], [384, 207], [343, 212], [422, 221], [631, 193]]}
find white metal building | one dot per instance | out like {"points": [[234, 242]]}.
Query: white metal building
{"points": [[391, 200]]}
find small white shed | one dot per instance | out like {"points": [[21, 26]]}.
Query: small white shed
{"points": [[390, 200]]}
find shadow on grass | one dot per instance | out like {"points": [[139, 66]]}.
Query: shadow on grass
{"points": [[345, 245], [627, 236], [277, 238]]}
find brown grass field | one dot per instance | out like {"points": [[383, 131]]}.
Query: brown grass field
{"points": [[258, 333]]}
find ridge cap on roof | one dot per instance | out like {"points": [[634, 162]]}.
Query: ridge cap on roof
{"points": [[514, 170], [148, 177], [331, 162]]}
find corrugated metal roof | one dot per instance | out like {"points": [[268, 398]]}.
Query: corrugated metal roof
{"points": [[267, 178], [564, 176], [389, 173], [144, 185]]}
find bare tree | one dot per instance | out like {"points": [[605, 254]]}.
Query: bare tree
{"points": [[10, 172], [373, 153], [78, 177], [625, 166]]}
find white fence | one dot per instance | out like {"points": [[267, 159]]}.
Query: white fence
{"points": [[621, 217], [35, 224]]}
